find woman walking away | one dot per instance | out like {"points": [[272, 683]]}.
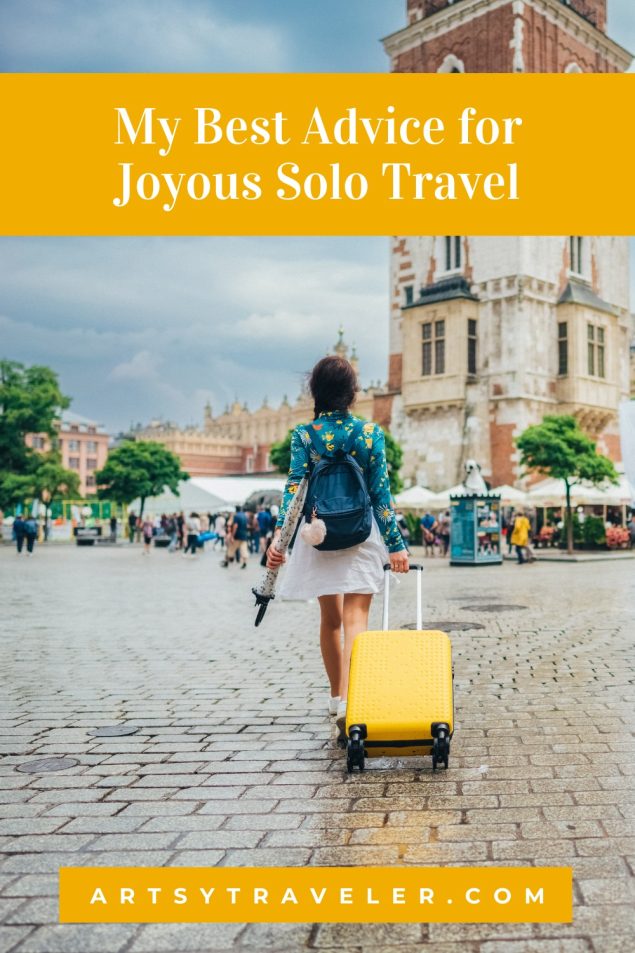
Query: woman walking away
{"points": [[344, 580], [520, 535]]}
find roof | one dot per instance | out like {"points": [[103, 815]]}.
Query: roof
{"points": [[71, 419], [448, 288], [578, 292]]}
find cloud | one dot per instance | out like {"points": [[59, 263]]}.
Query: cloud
{"points": [[135, 35], [141, 366]]}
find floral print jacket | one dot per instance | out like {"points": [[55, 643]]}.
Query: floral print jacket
{"points": [[332, 430]]}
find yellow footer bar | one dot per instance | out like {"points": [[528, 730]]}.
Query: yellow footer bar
{"points": [[315, 894]]}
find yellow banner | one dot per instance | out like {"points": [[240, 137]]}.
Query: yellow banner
{"points": [[315, 894], [317, 154]]}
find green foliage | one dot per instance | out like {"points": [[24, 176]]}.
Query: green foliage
{"points": [[139, 468], [394, 459], [593, 532], [30, 402], [280, 456], [559, 448], [414, 525]]}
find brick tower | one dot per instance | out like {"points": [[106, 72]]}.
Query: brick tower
{"points": [[487, 335]]}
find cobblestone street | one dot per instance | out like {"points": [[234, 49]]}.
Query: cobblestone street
{"points": [[234, 761]]}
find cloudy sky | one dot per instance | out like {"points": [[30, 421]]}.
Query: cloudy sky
{"points": [[141, 328]]}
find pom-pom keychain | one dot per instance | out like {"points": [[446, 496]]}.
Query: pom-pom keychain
{"points": [[314, 532]]}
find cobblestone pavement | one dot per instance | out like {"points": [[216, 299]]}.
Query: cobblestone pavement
{"points": [[234, 761]]}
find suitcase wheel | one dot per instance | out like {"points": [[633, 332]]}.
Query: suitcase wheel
{"points": [[441, 747], [355, 754]]}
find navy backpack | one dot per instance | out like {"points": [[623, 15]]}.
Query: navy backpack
{"points": [[338, 495]]}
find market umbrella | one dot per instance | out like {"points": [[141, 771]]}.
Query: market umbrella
{"points": [[415, 498], [509, 494]]}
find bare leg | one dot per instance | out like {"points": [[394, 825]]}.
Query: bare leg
{"points": [[330, 639], [356, 609]]}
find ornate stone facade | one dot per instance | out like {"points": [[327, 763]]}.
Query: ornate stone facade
{"points": [[487, 335], [238, 441]]}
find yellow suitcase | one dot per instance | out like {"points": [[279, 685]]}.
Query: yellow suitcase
{"points": [[400, 694]]}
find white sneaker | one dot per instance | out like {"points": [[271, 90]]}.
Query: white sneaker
{"points": [[340, 720], [334, 701]]}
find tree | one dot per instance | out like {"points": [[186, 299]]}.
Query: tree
{"points": [[280, 456], [139, 468], [559, 448], [30, 402]]}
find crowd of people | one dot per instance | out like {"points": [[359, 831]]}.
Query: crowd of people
{"points": [[238, 533]]}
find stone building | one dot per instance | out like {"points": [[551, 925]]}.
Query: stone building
{"points": [[238, 441], [489, 334], [83, 444]]}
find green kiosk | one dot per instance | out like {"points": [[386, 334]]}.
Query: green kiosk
{"points": [[475, 529]]}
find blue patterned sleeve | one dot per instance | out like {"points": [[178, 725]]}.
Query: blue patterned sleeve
{"points": [[300, 449], [379, 489]]}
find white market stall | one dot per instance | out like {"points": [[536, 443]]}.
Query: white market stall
{"points": [[415, 498], [209, 494]]}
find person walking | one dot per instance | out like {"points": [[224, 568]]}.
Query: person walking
{"points": [[132, 525], [264, 527], [113, 528], [30, 533], [520, 535], [19, 533], [344, 580], [220, 526], [237, 540], [429, 526], [444, 532], [193, 527], [147, 530]]}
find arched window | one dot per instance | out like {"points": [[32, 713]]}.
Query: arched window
{"points": [[451, 64], [573, 68]]}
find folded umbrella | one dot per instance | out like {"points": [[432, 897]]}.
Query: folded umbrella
{"points": [[266, 591]]}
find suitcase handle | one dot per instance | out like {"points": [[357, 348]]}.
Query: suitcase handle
{"points": [[418, 568]]}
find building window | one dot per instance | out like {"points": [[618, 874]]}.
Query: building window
{"points": [[576, 251], [91, 446], [409, 294], [91, 463], [74, 428], [73, 463], [596, 360], [249, 464], [73, 445], [433, 348], [452, 252], [91, 429], [471, 346], [90, 480], [37, 443], [563, 349]]}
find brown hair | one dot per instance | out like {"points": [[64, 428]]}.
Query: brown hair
{"points": [[333, 385]]}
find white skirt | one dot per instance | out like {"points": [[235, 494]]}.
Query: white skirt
{"points": [[311, 572]]}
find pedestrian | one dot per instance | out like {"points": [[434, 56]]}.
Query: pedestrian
{"points": [[520, 535], [132, 524], [30, 533], [220, 526], [429, 526], [113, 528], [171, 530], [254, 532], [444, 532], [237, 540], [193, 528], [404, 529], [344, 581], [264, 527], [147, 530], [19, 532], [180, 530]]}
